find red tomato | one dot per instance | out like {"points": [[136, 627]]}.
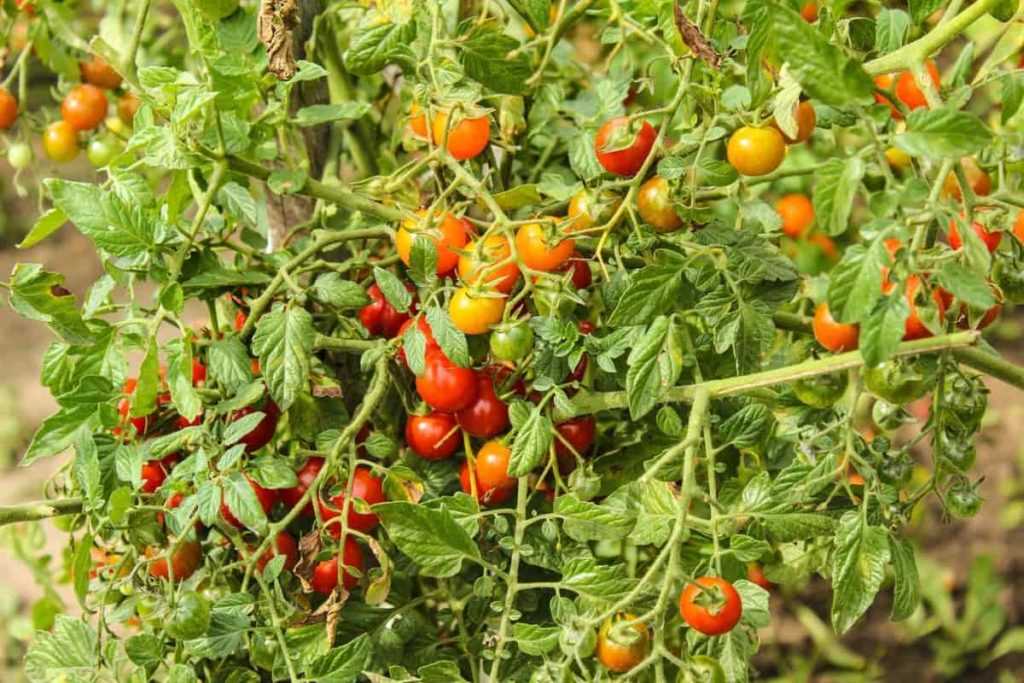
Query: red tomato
{"points": [[265, 497], [990, 239], [466, 139], [325, 573], [756, 151], [184, 561], [487, 416], [1018, 227], [60, 141], [834, 336], [261, 435], [431, 343], [579, 433], [622, 145], [306, 475], [365, 487], [448, 233], [418, 121], [915, 327], [84, 107], [489, 261], [797, 213], [432, 437], [581, 276], [710, 605], [809, 11], [909, 93], [379, 317], [127, 105], [153, 476], [493, 483], [535, 251], [172, 502], [198, 372], [8, 109], [977, 178], [98, 72], [444, 385], [284, 544], [756, 575]]}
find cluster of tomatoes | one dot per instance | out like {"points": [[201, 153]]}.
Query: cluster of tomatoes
{"points": [[84, 108]]}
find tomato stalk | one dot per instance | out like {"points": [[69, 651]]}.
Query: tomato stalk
{"points": [[513, 576]]}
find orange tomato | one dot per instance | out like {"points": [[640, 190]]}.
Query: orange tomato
{"points": [[977, 178], [756, 151], [909, 92], [60, 141], [98, 72], [446, 232], [8, 109], [809, 11], [84, 107], [833, 335], [806, 119], [480, 259], [127, 105], [536, 253], [797, 213], [466, 138], [655, 206]]}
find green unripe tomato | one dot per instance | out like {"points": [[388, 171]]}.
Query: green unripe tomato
{"points": [[19, 155], [963, 500], [888, 417], [1010, 278], [896, 469], [821, 391], [101, 152], [964, 399], [899, 382], [701, 669], [954, 449], [190, 617], [511, 342]]}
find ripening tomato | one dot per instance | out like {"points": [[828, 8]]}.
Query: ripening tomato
{"points": [[977, 178], [264, 430], [284, 544], [306, 475], [475, 314], [834, 336], [265, 497], [198, 372], [622, 643], [447, 232], [623, 145], [432, 437], [990, 239], [418, 121], [908, 91], [127, 105], [153, 476], [489, 260], [809, 11], [493, 483], [654, 203], [379, 317], [487, 416], [797, 213], [806, 120], [886, 82], [325, 573], [966, 313], [365, 487], [428, 335], [466, 139], [915, 327], [710, 605], [537, 253], [142, 424], [8, 109], [60, 141], [756, 575], [173, 501], [98, 72], [184, 561], [588, 208], [84, 107], [444, 385], [756, 151]]}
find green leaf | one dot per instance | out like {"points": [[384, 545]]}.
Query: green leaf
{"points": [[652, 291], [47, 224], [144, 650], [891, 29], [148, 385], [943, 133], [316, 114], [748, 549], [797, 526], [531, 443], [241, 500], [121, 229], [654, 365], [1010, 98], [485, 56], [922, 9], [333, 290], [374, 47], [414, 346], [906, 592], [431, 538], [855, 285], [858, 569], [87, 470], [966, 285], [747, 427], [837, 182], [284, 342], [38, 295], [179, 379], [603, 583], [882, 331], [69, 652], [229, 363], [392, 289], [342, 664], [586, 521], [58, 432], [237, 429], [81, 566], [423, 261], [536, 640], [272, 472], [450, 338], [287, 181]]}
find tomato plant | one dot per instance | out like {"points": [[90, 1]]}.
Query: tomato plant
{"points": [[456, 340]]}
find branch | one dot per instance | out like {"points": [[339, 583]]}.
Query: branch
{"points": [[44, 509], [326, 343], [992, 365], [586, 403]]}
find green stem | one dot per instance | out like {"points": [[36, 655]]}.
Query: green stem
{"points": [[522, 496], [128, 65], [322, 341], [44, 509], [990, 364]]}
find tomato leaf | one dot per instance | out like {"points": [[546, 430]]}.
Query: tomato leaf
{"points": [[242, 502], [966, 285], [284, 342], [486, 58], [534, 639], [906, 592], [882, 330], [586, 521], [431, 538], [531, 443], [856, 282], [392, 288], [331, 289], [838, 181], [450, 338], [38, 295], [654, 365], [858, 569], [943, 133]]}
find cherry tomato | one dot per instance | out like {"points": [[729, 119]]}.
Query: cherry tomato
{"points": [[575, 437], [908, 91], [480, 261], [306, 475], [655, 206], [184, 561], [325, 573], [428, 335], [579, 267], [990, 239], [797, 213], [622, 643], [954, 449], [265, 497], [261, 435], [365, 487], [622, 145], [466, 138], [962, 499], [898, 159], [915, 327], [756, 575], [444, 385], [806, 119], [153, 476], [511, 341], [432, 437], [84, 107], [898, 382], [418, 121], [834, 336], [588, 208], [447, 232], [8, 109], [710, 605], [756, 151], [822, 391], [127, 105], [885, 82], [19, 155], [475, 314], [977, 178], [809, 11], [537, 253], [284, 544], [487, 416], [493, 483], [379, 317], [98, 72], [142, 424], [101, 152], [60, 141], [173, 501], [1018, 226]]}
